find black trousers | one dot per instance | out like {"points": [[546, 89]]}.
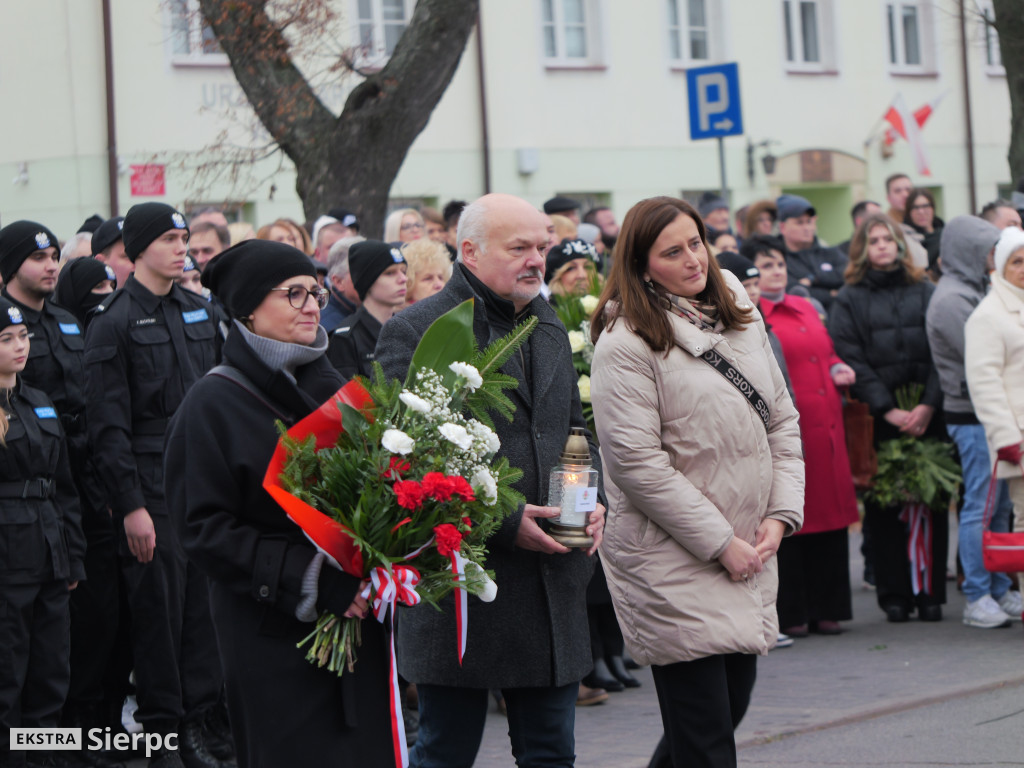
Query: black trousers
{"points": [[95, 612], [33, 656], [814, 578], [891, 563], [177, 669], [702, 702]]}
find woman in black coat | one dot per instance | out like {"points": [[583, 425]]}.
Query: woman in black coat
{"points": [[266, 583], [42, 548], [920, 216], [877, 323]]}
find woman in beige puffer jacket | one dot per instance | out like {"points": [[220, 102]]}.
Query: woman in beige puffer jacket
{"points": [[700, 489]]}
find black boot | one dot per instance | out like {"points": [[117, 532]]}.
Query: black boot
{"points": [[165, 758], [618, 668], [602, 677], [217, 734], [87, 717], [192, 746]]}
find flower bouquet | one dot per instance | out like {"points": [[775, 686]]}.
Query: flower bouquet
{"points": [[575, 313], [920, 476], [397, 485]]}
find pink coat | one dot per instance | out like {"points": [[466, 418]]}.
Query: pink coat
{"points": [[830, 503]]}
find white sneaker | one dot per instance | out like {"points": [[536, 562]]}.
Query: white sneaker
{"points": [[985, 613], [784, 641], [1012, 604]]}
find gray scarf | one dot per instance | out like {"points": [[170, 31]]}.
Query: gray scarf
{"points": [[284, 355]]}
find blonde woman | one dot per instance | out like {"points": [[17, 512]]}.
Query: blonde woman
{"points": [[289, 232], [403, 226], [429, 269]]}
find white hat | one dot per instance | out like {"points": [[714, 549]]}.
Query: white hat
{"points": [[1012, 239], [322, 222]]}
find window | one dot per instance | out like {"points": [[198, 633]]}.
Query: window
{"points": [[993, 56], [570, 33], [192, 40], [381, 23], [910, 40], [807, 26], [693, 27]]}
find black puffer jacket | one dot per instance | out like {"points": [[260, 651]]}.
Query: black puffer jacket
{"points": [[823, 266], [878, 328]]}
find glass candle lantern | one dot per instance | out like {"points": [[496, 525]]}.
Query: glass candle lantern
{"points": [[573, 488]]}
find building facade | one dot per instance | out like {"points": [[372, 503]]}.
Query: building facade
{"points": [[586, 98]]}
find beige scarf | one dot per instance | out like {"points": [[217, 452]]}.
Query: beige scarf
{"points": [[704, 316]]}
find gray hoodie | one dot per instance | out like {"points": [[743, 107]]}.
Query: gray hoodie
{"points": [[965, 246]]}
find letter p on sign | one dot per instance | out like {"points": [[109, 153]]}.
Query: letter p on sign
{"points": [[712, 97], [714, 101]]}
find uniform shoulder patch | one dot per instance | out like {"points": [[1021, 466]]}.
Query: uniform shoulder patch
{"points": [[343, 331]]}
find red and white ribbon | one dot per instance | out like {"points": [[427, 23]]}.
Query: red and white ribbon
{"points": [[388, 589], [461, 603], [919, 546]]}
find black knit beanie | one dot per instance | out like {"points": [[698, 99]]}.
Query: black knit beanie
{"points": [[740, 266], [108, 233], [243, 275], [367, 259], [18, 240], [567, 251], [10, 314], [75, 284], [91, 224], [145, 222]]}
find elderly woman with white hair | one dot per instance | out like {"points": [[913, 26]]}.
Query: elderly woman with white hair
{"points": [[995, 367]]}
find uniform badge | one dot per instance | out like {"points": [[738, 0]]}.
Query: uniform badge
{"points": [[120, 225], [396, 256], [15, 314], [178, 220], [195, 316], [70, 329], [42, 241], [826, 267], [45, 413], [110, 273]]}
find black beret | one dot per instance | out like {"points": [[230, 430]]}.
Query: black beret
{"points": [[108, 233], [77, 279], [18, 240], [242, 276], [367, 259], [345, 216], [145, 222], [91, 224], [560, 204], [10, 314], [567, 251]]}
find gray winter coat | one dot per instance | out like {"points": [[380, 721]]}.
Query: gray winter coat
{"points": [[535, 632], [965, 245]]}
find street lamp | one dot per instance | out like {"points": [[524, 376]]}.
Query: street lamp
{"points": [[767, 160]]}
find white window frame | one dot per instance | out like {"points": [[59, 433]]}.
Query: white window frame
{"points": [[895, 43], [713, 28], [196, 56], [376, 54], [990, 41], [793, 35], [593, 37]]}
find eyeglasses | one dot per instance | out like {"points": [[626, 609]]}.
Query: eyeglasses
{"points": [[412, 225], [298, 296]]}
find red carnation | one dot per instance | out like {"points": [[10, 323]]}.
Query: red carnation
{"points": [[467, 522], [448, 539], [395, 468], [409, 493], [460, 487], [437, 486]]}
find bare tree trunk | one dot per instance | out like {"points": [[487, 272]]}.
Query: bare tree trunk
{"points": [[352, 159], [1009, 22]]}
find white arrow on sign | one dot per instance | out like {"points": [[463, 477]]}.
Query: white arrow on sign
{"points": [[723, 125], [708, 107]]}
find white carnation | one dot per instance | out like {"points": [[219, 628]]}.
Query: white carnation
{"points": [[584, 387], [469, 373], [484, 484], [415, 402], [396, 441], [589, 303], [576, 341], [485, 435], [456, 434]]}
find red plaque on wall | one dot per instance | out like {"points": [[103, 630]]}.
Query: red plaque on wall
{"points": [[148, 180]]}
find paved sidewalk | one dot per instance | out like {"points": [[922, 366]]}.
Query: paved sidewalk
{"points": [[871, 670]]}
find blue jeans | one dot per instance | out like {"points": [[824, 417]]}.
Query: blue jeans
{"points": [[541, 725], [977, 469]]}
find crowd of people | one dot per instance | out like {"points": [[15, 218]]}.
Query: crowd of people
{"points": [[145, 362]]}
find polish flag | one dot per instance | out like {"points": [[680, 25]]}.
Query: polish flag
{"points": [[921, 116], [907, 126]]}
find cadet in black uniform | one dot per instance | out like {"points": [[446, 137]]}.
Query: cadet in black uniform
{"points": [[41, 546], [146, 346], [82, 285], [28, 265], [378, 274]]}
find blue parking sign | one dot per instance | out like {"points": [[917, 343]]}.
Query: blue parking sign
{"points": [[714, 98]]}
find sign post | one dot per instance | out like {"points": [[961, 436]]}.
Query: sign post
{"points": [[715, 112]]}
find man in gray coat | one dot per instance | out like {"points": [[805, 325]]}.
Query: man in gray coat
{"points": [[532, 641], [966, 248]]}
